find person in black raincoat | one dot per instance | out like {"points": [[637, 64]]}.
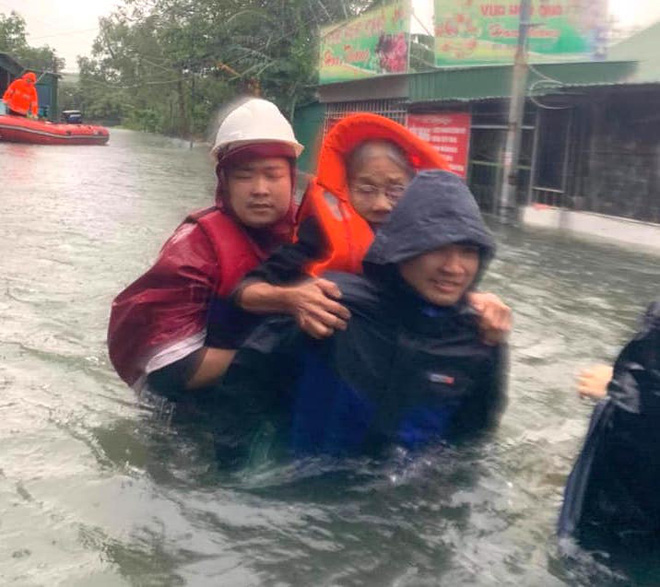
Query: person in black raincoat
{"points": [[612, 497], [410, 368]]}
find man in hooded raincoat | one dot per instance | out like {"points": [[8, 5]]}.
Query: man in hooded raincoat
{"points": [[410, 367], [612, 495], [21, 96]]}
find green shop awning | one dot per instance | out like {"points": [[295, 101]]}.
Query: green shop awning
{"points": [[494, 81]]}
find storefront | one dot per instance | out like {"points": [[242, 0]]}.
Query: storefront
{"points": [[463, 112], [590, 136]]}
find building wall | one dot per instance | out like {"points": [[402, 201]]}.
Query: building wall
{"points": [[5, 80], [613, 164], [47, 91], [9, 70], [623, 161], [308, 127], [385, 87], [643, 235]]}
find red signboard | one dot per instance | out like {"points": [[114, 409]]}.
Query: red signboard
{"points": [[449, 133]]}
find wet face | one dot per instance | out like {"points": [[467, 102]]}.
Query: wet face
{"points": [[442, 276], [260, 191], [377, 186]]}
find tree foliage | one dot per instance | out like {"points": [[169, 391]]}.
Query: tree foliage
{"points": [[167, 65], [13, 40]]}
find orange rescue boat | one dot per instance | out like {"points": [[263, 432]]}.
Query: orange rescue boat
{"points": [[18, 129]]}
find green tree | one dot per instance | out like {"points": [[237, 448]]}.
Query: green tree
{"points": [[172, 63], [12, 33]]}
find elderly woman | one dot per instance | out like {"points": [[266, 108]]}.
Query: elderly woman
{"points": [[365, 163]]}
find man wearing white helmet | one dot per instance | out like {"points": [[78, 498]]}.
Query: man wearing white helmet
{"points": [[175, 328]]}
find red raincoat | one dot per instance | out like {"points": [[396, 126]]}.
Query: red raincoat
{"points": [[163, 316]]}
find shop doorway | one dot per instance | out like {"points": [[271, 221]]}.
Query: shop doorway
{"points": [[552, 157]]}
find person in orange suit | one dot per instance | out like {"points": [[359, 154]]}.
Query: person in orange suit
{"points": [[21, 96]]}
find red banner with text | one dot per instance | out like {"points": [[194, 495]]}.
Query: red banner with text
{"points": [[449, 133]]}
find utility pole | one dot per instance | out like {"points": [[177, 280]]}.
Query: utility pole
{"points": [[191, 124], [510, 177]]}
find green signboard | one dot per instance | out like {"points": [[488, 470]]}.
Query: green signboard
{"points": [[471, 32], [374, 43]]}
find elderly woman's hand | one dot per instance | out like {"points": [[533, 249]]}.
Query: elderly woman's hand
{"points": [[315, 307]]}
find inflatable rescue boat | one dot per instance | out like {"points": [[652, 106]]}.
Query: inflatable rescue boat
{"points": [[18, 129]]}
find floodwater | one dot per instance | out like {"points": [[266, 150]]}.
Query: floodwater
{"points": [[97, 490]]}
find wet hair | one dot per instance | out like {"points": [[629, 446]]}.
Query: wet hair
{"points": [[359, 156]]}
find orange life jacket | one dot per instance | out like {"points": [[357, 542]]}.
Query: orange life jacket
{"points": [[347, 234], [22, 97]]}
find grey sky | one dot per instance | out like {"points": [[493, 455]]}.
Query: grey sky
{"points": [[70, 26]]}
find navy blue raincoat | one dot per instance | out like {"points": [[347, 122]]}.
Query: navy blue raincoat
{"points": [[404, 371], [613, 493]]}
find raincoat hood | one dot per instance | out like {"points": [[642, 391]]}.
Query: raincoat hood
{"points": [[436, 210], [30, 77]]}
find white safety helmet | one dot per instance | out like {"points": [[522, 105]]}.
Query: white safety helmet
{"points": [[255, 121]]}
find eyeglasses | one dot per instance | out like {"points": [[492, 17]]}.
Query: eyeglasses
{"points": [[392, 192]]}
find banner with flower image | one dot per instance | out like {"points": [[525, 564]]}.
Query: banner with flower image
{"points": [[472, 32], [374, 43]]}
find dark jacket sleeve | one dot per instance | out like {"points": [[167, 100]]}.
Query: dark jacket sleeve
{"points": [[267, 363], [485, 409], [170, 381], [635, 385], [288, 262], [495, 387]]}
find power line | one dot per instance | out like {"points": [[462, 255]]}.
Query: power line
{"points": [[132, 86], [74, 32]]}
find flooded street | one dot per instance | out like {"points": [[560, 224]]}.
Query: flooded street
{"points": [[95, 490]]}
